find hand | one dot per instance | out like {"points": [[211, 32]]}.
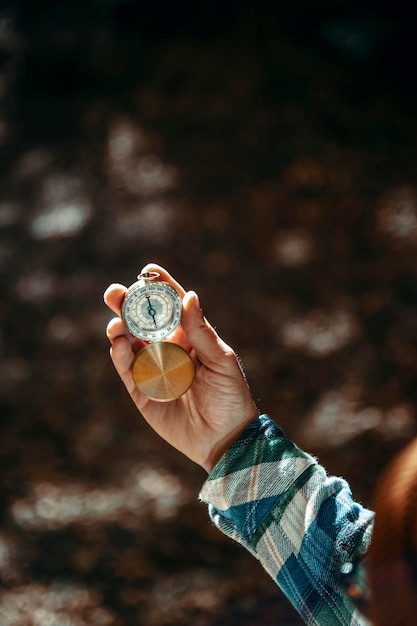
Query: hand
{"points": [[203, 423]]}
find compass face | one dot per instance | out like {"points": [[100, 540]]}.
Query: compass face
{"points": [[151, 311]]}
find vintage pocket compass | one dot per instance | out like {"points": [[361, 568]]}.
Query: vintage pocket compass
{"points": [[162, 370]]}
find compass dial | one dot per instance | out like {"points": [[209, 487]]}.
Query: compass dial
{"points": [[151, 311]]}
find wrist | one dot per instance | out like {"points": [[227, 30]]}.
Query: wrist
{"points": [[223, 445]]}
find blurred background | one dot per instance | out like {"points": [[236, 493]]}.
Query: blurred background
{"points": [[266, 155]]}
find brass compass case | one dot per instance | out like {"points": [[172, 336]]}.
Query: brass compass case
{"points": [[162, 370]]}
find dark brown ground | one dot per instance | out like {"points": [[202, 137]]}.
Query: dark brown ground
{"points": [[269, 161]]}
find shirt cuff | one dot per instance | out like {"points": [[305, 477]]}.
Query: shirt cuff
{"points": [[251, 477]]}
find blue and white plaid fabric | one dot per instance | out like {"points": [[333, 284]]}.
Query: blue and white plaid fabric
{"points": [[302, 525]]}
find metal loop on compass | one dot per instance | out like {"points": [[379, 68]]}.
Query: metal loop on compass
{"points": [[148, 276]]}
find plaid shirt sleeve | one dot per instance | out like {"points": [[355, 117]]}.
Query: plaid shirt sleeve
{"points": [[301, 524]]}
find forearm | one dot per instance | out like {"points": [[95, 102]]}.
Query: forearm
{"points": [[302, 525]]}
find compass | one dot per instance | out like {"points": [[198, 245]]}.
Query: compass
{"points": [[152, 309]]}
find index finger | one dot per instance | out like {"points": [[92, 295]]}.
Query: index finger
{"points": [[164, 275], [114, 296]]}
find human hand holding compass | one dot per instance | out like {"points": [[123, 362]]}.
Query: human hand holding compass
{"points": [[203, 422]]}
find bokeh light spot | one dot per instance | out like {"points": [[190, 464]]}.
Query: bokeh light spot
{"points": [[154, 220], [397, 213], [52, 506], [61, 604], [38, 285], [337, 418], [60, 221], [320, 332], [293, 248]]}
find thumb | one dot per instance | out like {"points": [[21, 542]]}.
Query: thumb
{"points": [[209, 347]]}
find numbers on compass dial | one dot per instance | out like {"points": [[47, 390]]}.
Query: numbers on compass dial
{"points": [[151, 311]]}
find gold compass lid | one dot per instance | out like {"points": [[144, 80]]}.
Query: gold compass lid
{"points": [[163, 371]]}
